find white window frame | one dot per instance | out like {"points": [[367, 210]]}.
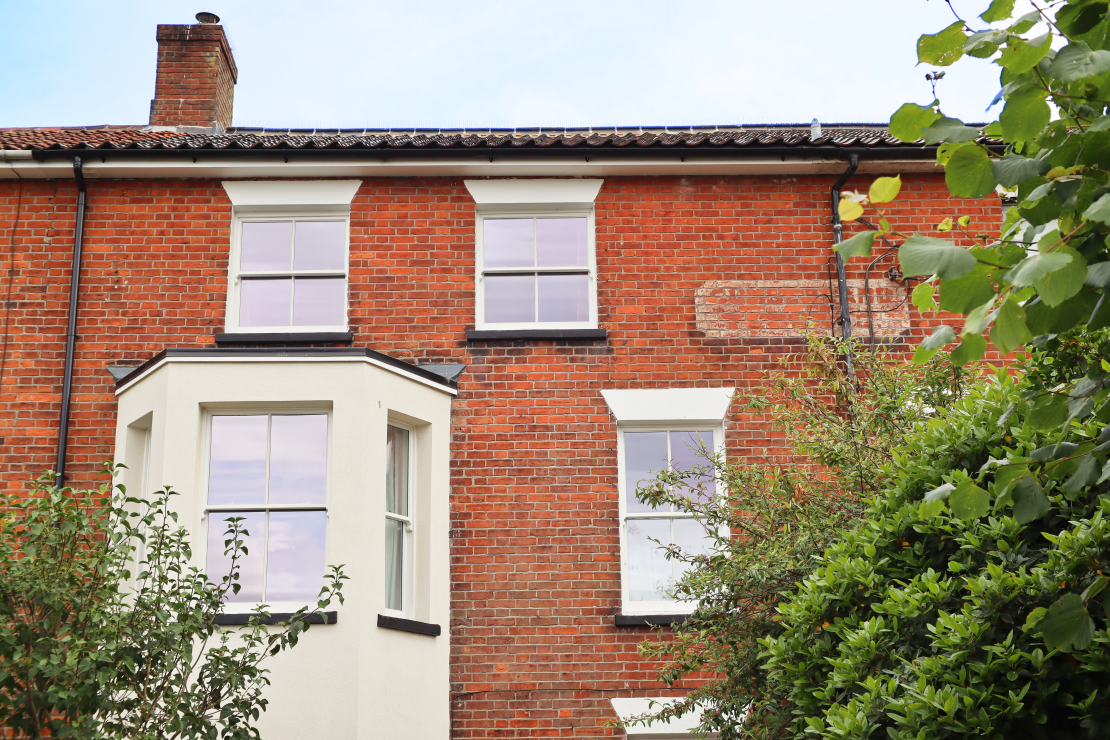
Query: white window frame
{"points": [[235, 275], [590, 270], [210, 514], [408, 541], [626, 489]]}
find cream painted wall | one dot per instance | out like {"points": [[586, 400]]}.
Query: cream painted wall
{"points": [[351, 679]]}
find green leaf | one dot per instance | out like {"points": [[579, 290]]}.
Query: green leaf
{"points": [[1030, 501], [926, 255], [971, 349], [1098, 275], [907, 121], [939, 493], [1067, 626], [941, 336], [1009, 330], [969, 501], [884, 189], [922, 297], [1020, 56], [1099, 210], [1044, 319], [999, 10], [1076, 61], [1085, 475], [1059, 285], [1025, 116], [978, 318], [1035, 617], [968, 173], [1013, 169], [943, 48], [1032, 269], [1048, 413], [849, 210], [949, 131], [857, 246], [960, 295]]}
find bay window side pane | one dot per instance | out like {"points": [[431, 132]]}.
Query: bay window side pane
{"points": [[266, 246], [394, 563], [237, 460], [295, 558], [649, 571], [510, 299], [265, 301], [320, 245], [249, 565], [562, 242], [509, 242], [564, 298], [645, 454], [397, 471], [298, 459], [319, 302]]}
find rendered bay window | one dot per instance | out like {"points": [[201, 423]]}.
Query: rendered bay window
{"points": [[650, 576], [270, 470]]}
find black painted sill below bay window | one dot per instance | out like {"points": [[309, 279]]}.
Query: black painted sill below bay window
{"points": [[409, 625], [286, 337], [650, 620], [499, 335], [238, 620]]}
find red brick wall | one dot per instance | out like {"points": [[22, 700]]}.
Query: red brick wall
{"points": [[195, 82], [535, 553]]}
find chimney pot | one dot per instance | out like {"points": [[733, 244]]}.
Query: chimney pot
{"points": [[204, 17]]}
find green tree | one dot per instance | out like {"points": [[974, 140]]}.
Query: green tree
{"points": [[775, 519], [106, 631], [972, 600]]}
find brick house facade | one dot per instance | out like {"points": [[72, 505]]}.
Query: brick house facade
{"points": [[712, 259]]}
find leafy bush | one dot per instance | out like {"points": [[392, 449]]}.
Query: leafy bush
{"points": [[972, 600], [106, 631]]}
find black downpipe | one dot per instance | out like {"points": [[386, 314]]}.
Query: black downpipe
{"points": [[841, 277], [71, 329]]}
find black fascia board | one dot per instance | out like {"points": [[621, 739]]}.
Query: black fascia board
{"points": [[554, 150], [649, 620], [409, 625], [497, 335], [232, 352], [238, 620], [308, 337]]}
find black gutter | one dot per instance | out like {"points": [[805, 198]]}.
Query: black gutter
{"points": [[554, 150], [71, 328], [841, 277]]}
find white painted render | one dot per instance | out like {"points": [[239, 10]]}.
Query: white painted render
{"points": [[352, 679], [669, 404], [675, 729], [248, 193], [573, 193]]}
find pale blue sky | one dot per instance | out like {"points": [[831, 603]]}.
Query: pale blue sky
{"points": [[479, 63]]}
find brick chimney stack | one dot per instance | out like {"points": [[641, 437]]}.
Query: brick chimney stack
{"points": [[195, 84]]}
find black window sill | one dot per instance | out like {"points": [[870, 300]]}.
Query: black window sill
{"points": [[409, 625], [236, 620], [288, 337], [650, 620], [495, 335]]}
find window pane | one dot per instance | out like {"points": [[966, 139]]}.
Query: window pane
{"points": [[321, 245], [394, 563], [397, 471], [267, 246], [645, 453], [320, 302], [250, 565], [510, 299], [564, 297], [649, 570], [691, 536], [265, 302], [509, 242], [295, 555], [685, 454], [298, 459], [561, 242], [237, 467]]}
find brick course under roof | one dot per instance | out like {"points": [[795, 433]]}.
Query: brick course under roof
{"points": [[144, 138]]}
